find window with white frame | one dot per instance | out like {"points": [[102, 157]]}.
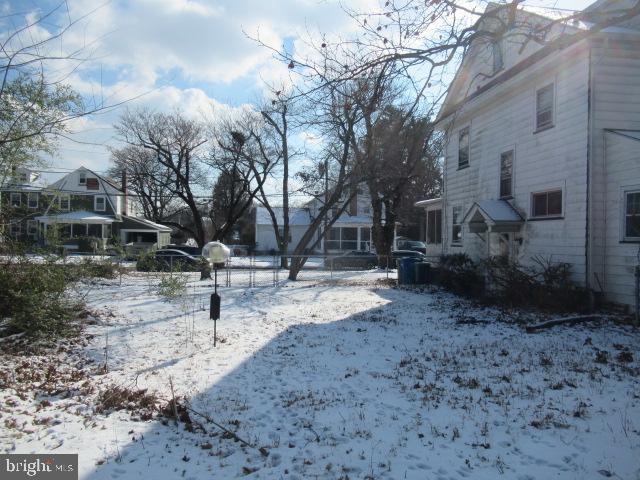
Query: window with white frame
{"points": [[632, 215], [546, 204], [15, 229], [506, 174], [82, 178], [16, 199], [456, 226], [32, 228], [463, 148], [32, 200], [544, 107], [64, 202], [100, 203]]}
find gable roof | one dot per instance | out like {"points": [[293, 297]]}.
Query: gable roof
{"points": [[570, 33]]}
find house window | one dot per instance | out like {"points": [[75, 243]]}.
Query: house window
{"points": [[506, 174], [547, 204], [32, 200], [463, 148], [82, 178], [32, 228], [99, 204], [544, 107], [632, 215], [434, 227], [16, 199], [14, 229], [92, 184], [456, 226], [64, 202], [496, 48]]}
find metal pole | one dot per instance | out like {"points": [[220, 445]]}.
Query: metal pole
{"points": [[215, 290]]}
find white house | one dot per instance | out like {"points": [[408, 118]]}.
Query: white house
{"points": [[542, 155], [81, 204], [351, 231]]}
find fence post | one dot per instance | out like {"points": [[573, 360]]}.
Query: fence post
{"points": [[228, 272], [330, 267]]}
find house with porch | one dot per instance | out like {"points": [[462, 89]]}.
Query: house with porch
{"points": [[81, 211], [351, 231], [542, 155]]}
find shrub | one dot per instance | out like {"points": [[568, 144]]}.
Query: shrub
{"points": [[147, 262], [89, 268], [545, 285], [33, 300], [459, 274], [172, 287]]}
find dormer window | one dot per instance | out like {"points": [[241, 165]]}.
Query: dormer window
{"points": [[82, 179], [100, 203]]}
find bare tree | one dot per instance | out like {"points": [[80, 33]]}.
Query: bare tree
{"points": [[176, 144], [149, 182]]}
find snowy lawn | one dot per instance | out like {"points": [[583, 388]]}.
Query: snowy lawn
{"points": [[349, 381]]}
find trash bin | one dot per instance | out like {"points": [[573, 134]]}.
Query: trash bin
{"points": [[422, 273], [406, 272]]}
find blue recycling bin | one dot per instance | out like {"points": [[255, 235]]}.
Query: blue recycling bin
{"points": [[406, 272]]}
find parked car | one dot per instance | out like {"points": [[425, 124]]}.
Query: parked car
{"points": [[415, 245], [193, 251], [356, 260], [168, 259], [398, 254]]}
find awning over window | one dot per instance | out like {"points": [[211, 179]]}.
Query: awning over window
{"points": [[493, 216]]}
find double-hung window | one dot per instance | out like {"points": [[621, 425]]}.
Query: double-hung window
{"points": [[32, 228], [463, 148], [632, 216], [64, 202], [506, 174], [16, 199], [32, 200], [544, 107], [100, 203]]}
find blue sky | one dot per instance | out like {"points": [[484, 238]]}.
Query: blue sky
{"points": [[189, 54]]}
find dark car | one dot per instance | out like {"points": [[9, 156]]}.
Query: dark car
{"points": [[193, 251], [355, 260], [398, 254], [414, 245], [169, 259]]}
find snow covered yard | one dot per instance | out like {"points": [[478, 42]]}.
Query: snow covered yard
{"points": [[354, 380]]}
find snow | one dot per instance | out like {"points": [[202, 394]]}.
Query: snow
{"points": [[348, 379]]}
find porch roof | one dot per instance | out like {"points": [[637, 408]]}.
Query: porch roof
{"points": [[76, 217], [492, 215]]}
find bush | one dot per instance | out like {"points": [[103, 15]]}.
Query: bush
{"points": [[147, 262], [172, 287], [89, 268], [33, 300], [545, 285], [459, 274]]}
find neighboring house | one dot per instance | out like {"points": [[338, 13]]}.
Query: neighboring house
{"points": [[543, 154], [351, 231], [81, 205]]}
